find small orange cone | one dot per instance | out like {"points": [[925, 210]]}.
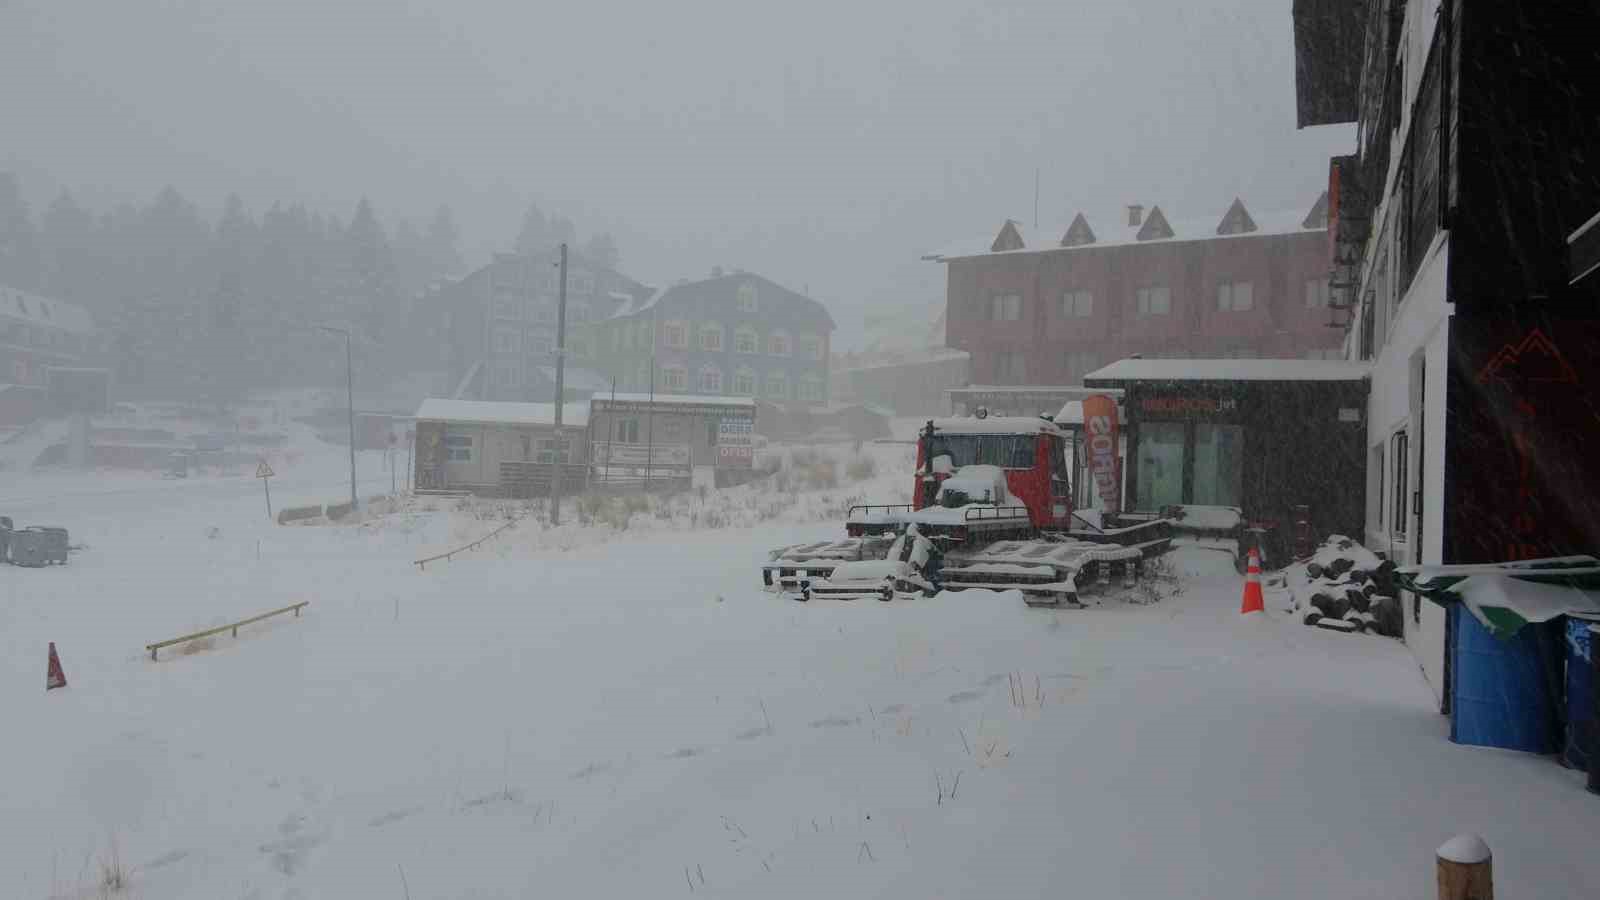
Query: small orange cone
{"points": [[1252, 586], [54, 677]]}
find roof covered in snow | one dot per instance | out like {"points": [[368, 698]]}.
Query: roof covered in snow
{"points": [[577, 378], [1072, 412], [1230, 370], [484, 412], [1111, 229], [722, 290], [44, 311], [996, 425], [677, 399]]}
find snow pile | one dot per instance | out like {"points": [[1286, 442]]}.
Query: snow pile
{"points": [[974, 484], [1346, 587]]}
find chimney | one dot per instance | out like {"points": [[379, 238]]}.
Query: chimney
{"points": [[1135, 215]]}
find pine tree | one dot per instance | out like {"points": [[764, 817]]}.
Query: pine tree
{"points": [[601, 249], [70, 265], [535, 234], [443, 244], [562, 231], [19, 248]]}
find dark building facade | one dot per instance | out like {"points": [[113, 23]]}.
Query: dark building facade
{"points": [[1047, 306], [1455, 227]]}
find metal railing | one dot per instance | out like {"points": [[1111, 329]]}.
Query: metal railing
{"points": [[234, 627], [886, 508], [422, 564], [980, 513]]}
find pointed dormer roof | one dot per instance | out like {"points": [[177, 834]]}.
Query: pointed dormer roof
{"points": [[1078, 233], [1236, 220], [1318, 216], [1008, 238], [1155, 226]]}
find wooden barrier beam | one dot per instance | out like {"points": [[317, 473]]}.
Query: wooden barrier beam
{"points": [[232, 626]]}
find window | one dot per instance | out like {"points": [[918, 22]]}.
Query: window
{"points": [[1316, 293], [1154, 301], [1399, 506], [747, 297], [711, 338], [1077, 304], [458, 447], [579, 346], [507, 339], [1005, 307], [710, 380], [1081, 363], [745, 340], [1235, 296], [505, 302], [1218, 464], [507, 373], [1010, 367], [1375, 488], [675, 334], [551, 448], [544, 312], [626, 431], [674, 378], [577, 313], [778, 343], [646, 335], [1160, 465], [1009, 451], [778, 386], [811, 387], [744, 382], [541, 342], [811, 346]]}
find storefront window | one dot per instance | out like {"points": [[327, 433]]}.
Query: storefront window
{"points": [[1218, 464], [1160, 465]]}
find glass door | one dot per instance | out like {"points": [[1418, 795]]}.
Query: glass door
{"points": [[1160, 465], [1218, 464]]}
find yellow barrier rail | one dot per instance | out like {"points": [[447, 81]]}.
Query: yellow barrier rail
{"points": [[234, 627]]}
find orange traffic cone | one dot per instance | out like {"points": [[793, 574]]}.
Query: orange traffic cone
{"points": [[53, 676], [1252, 586]]}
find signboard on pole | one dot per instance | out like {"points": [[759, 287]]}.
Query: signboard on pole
{"points": [[736, 442], [264, 472]]}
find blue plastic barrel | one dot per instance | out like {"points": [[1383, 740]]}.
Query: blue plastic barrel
{"points": [[1506, 692], [1582, 729]]}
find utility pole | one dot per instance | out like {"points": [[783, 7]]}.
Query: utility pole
{"points": [[350, 405], [561, 362]]}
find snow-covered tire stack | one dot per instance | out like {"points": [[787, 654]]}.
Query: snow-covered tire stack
{"points": [[1345, 587]]}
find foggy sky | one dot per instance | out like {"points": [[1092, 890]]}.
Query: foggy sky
{"points": [[823, 144]]}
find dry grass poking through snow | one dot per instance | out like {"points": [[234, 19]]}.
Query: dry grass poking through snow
{"points": [[801, 485]]}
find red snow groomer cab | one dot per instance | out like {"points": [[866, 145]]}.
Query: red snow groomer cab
{"points": [[994, 496]]}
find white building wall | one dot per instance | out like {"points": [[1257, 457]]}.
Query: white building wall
{"points": [[1410, 371]]}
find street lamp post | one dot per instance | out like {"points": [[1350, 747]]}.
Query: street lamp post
{"points": [[350, 404], [561, 361]]}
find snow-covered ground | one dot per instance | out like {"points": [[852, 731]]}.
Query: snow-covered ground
{"points": [[601, 712]]}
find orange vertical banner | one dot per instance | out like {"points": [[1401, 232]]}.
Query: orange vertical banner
{"points": [[1100, 445]]}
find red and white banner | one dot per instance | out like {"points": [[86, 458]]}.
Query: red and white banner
{"points": [[1100, 450]]}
